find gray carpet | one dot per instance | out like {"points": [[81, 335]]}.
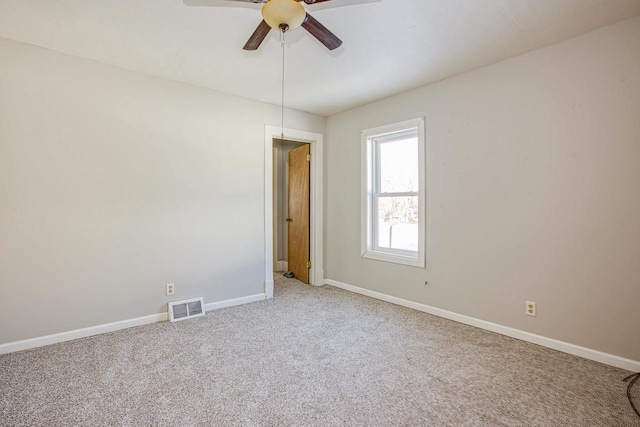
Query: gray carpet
{"points": [[310, 356]]}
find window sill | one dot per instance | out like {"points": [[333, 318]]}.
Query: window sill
{"points": [[395, 258]]}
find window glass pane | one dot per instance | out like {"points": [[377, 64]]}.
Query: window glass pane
{"points": [[399, 165], [397, 223]]}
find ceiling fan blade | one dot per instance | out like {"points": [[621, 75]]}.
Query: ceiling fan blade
{"points": [[226, 3], [258, 36], [321, 32]]}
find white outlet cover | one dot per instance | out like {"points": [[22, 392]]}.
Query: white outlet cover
{"points": [[530, 308]]}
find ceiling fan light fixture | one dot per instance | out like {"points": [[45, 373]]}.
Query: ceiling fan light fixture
{"points": [[279, 13]]}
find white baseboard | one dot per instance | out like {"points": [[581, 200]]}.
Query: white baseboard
{"points": [[81, 333], [115, 326], [282, 266], [587, 353], [318, 279], [268, 288], [233, 302]]}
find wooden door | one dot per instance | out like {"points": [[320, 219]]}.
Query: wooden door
{"points": [[298, 218]]}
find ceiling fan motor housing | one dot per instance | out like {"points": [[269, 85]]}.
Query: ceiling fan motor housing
{"points": [[283, 13]]}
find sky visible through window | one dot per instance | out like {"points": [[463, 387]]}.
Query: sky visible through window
{"points": [[399, 166], [398, 216]]}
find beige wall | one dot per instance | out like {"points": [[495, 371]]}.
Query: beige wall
{"points": [[113, 183], [533, 192]]}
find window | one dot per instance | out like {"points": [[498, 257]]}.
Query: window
{"points": [[393, 193]]}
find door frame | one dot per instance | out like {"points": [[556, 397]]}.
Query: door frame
{"points": [[315, 140]]}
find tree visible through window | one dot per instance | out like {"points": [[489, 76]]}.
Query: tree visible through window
{"points": [[397, 192], [393, 203]]}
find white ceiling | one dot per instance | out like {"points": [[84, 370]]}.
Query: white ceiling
{"points": [[389, 45]]}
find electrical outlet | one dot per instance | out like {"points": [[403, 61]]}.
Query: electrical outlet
{"points": [[530, 308], [169, 288]]}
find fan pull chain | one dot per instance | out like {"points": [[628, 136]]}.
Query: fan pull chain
{"points": [[282, 100]]}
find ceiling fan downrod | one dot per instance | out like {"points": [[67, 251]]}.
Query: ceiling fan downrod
{"points": [[283, 28]]}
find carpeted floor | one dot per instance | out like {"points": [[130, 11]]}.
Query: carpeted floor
{"points": [[309, 356]]}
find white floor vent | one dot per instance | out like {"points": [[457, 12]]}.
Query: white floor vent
{"points": [[186, 309]]}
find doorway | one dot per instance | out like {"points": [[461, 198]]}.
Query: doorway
{"points": [[314, 142], [291, 216]]}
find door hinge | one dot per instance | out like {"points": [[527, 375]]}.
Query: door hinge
{"points": [[308, 264], [308, 157]]}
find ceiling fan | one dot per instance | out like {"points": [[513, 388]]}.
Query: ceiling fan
{"points": [[286, 15]]}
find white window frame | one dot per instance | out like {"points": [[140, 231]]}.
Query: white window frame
{"points": [[369, 175]]}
